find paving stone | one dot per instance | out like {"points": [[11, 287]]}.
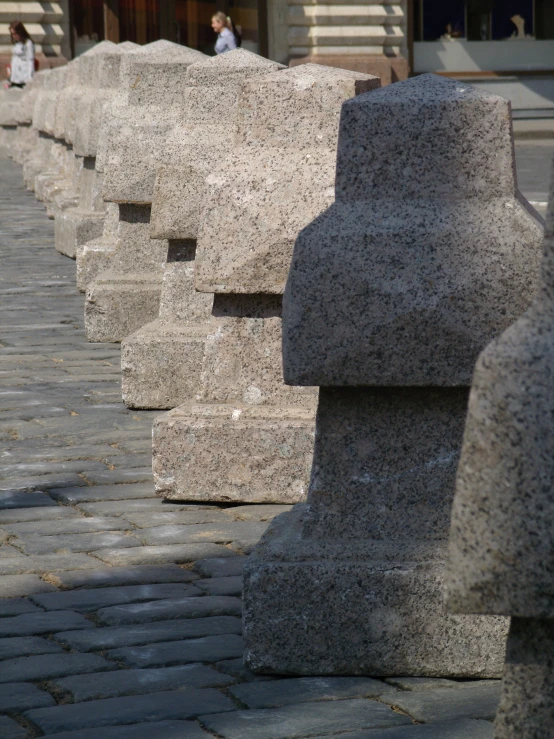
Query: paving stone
{"points": [[168, 517], [221, 585], [23, 646], [304, 689], [43, 623], [477, 701], [17, 499], [9, 552], [104, 492], [136, 474], [64, 526], [37, 544], [41, 482], [121, 507], [463, 729], [45, 563], [111, 637], [180, 553], [179, 704], [15, 606], [426, 683], [10, 729], [162, 610], [207, 649], [303, 720], [16, 586], [138, 682], [112, 576], [44, 666], [220, 567], [217, 533], [19, 697], [260, 512], [86, 601], [47, 467], [21, 515], [154, 730]]}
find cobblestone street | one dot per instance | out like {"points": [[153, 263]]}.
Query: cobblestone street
{"points": [[120, 614]]}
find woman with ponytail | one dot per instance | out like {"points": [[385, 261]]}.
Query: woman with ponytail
{"points": [[228, 37]]}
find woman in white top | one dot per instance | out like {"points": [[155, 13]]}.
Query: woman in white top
{"points": [[23, 56], [227, 38]]}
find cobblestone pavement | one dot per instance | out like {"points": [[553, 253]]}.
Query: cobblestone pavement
{"points": [[120, 614]]}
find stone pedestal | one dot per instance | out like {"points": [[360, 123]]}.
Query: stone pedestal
{"points": [[428, 252], [247, 437], [502, 532], [101, 77], [161, 362], [127, 295], [388, 68]]}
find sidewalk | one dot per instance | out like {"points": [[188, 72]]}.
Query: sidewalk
{"points": [[119, 610]]}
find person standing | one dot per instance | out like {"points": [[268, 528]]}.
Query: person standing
{"points": [[227, 36], [22, 66]]}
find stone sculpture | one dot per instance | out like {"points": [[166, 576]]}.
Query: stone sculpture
{"points": [[247, 437], [428, 252], [161, 362], [127, 294], [502, 532]]}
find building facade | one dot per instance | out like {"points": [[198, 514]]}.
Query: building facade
{"points": [[505, 46]]}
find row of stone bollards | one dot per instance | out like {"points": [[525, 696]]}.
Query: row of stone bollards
{"points": [[191, 190]]}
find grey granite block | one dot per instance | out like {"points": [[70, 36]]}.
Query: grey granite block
{"points": [[158, 729], [112, 637], [46, 666], [218, 567], [206, 649], [221, 585], [462, 729], [138, 682], [19, 697], [117, 576], [46, 563], [303, 720], [476, 701], [42, 623], [103, 492], [21, 515], [16, 499], [15, 606], [10, 729], [85, 601], [16, 586], [37, 544], [279, 693], [21, 646], [64, 526], [162, 554], [181, 704], [162, 610], [216, 532]]}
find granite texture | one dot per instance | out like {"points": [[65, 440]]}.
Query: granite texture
{"points": [[500, 557], [429, 243], [277, 178], [388, 291], [526, 708], [161, 363]]}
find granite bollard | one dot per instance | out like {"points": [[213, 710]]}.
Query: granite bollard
{"points": [[127, 294], [76, 226], [247, 437], [161, 362], [428, 252], [502, 532]]}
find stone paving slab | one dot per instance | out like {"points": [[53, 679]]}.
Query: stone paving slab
{"points": [[118, 659]]}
